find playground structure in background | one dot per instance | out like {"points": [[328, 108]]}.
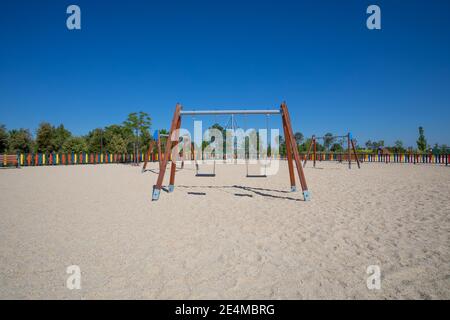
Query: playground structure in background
{"points": [[157, 137], [351, 150], [173, 140]]}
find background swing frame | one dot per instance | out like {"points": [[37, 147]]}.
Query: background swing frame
{"points": [[351, 149], [157, 138]]}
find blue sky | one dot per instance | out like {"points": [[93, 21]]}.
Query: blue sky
{"points": [[334, 73]]}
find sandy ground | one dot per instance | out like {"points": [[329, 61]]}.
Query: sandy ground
{"points": [[245, 238]]}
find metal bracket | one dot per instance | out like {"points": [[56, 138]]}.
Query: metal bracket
{"points": [[155, 194], [306, 195]]}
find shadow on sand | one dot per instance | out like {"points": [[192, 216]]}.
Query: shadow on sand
{"points": [[251, 191]]}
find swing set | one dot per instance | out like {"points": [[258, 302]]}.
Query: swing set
{"points": [[350, 149], [173, 140], [156, 140]]}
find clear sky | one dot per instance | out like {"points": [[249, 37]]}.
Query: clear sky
{"points": [[334, 73]]}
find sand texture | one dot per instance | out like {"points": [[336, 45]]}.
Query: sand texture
{"points": [[225, 237]]}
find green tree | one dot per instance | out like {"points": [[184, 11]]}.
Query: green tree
{"points": [[421, 141], [337, 147], [298, 136], [60, 135], [138, 123], [45, 137], [304, 147], [117, 130], [398, 147], [377, 144], [319, 147], [144, 140], [20, 141], [4, 137], [369, 144], [94, 140], [117, 144], [75, 144], [282, 146], [328, 140], [436, 150]]}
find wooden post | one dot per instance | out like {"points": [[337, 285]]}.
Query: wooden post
{"points": [[148, 155], [354, 151], [309, 151], [289, 154], [160, 154], [315, 153], [293, 144], [349, 151], [158, 186], [174, 155]]}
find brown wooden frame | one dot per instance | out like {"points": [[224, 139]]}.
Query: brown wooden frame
{"points": [[291, 147], [350, 147]]}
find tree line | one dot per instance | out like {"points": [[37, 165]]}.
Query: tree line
{"points": [[133, 135], [129, 137], [331, 144]]}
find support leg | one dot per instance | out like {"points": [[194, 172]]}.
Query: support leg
{"points": [[309, 151], [315, 153], [149, 154], [349, 154], [289, 156], [356, 155], [174, 157], [157, 187], [294, 147], [160, 153]]}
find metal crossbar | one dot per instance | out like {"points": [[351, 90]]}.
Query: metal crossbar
{"points": [[224, 112], [331, 137]]}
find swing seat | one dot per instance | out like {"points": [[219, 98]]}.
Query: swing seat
{"points": [[261, 175], [205, 175]]}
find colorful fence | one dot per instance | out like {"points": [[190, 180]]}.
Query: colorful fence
{"points": [[384, 158], [42, 159], [364, 157]]}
